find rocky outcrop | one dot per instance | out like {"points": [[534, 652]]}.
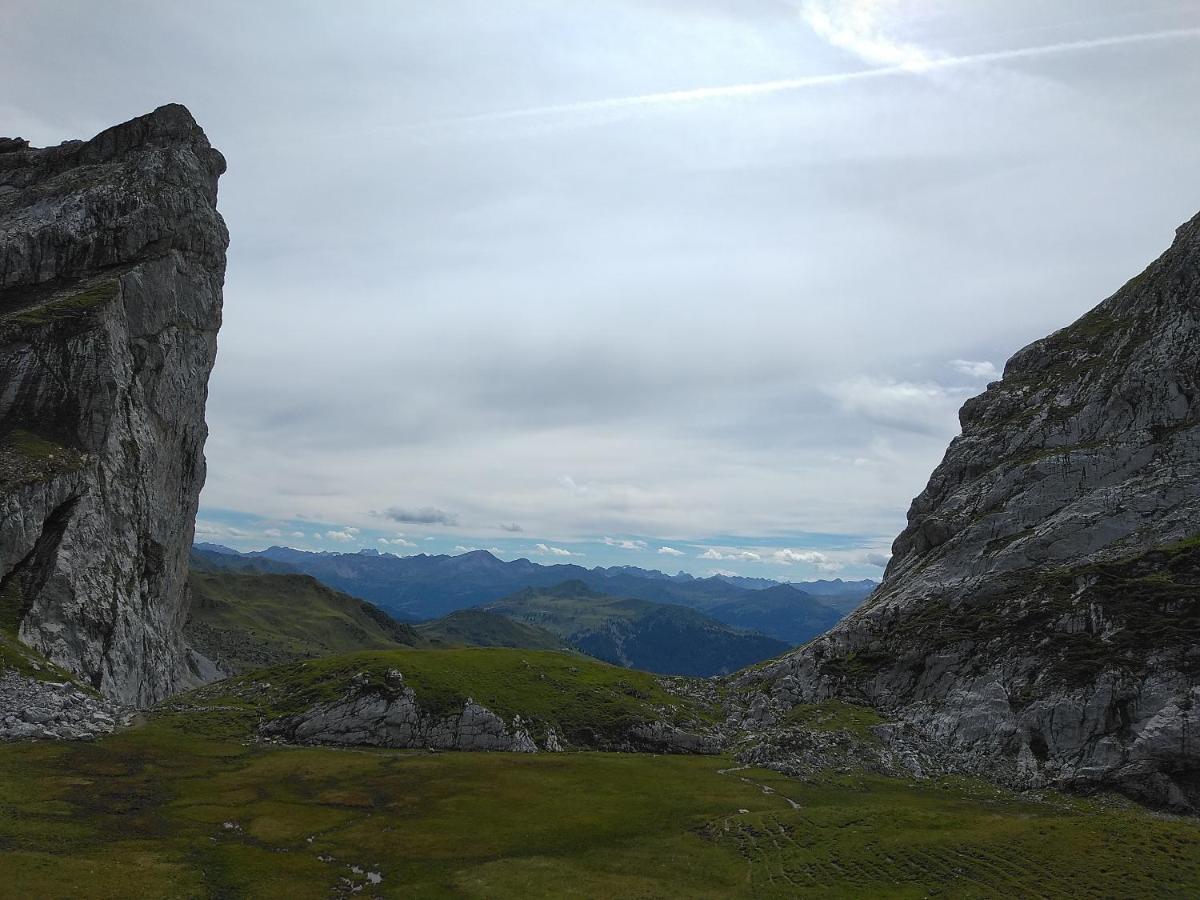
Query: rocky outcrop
{"points": [[112, 258], [31, 709], [387, 713], [1040, 618]]}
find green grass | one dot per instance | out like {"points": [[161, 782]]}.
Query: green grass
{"points": [[579, 697], [144, 814], [479, 628], [16, 657], [835, 715], [69, 306], [26, 456], [253, 620]]}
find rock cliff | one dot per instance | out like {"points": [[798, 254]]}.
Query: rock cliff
{"points": [[1040, 617], [112, 258]]}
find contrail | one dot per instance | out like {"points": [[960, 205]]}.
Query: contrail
{"points": [[762, 88]]}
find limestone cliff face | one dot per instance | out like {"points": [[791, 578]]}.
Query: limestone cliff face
{"points": [[1040, 618], [112, 258]]}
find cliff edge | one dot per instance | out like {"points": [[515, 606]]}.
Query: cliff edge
{"points": [[112, 259], [1040, 617]]}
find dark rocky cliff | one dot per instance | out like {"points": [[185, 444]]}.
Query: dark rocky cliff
{"points": [[112, 258], [1040, 618]]}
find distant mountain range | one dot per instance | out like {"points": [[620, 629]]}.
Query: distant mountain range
{"points": [[422, 587]]}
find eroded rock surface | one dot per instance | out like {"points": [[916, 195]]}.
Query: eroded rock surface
{"points": [[1040, 618], [112, 258]]}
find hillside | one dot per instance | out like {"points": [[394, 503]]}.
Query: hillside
{"points": [[247, 621], [1039, 620], [479, 628], [638, 634], [781, 612]]}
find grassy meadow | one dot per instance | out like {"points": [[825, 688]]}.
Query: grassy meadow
{"points": [[159, 811]]}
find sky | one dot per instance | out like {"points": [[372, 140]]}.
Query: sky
{"points": [[689, 284]]}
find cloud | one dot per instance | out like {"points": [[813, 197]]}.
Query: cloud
{"points": [[463, 549], [511, 526], [878, 559], [273, 532], [925, 408], [297, 534], [426, 515], [397, 541], [983, 371], [624, 544], [858, 26], [732, 555], [912, 61], [814, 558], [547, 550], [343, 536], [670, 551]]}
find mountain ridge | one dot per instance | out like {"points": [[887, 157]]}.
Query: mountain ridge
{"points": [[423, 586]]}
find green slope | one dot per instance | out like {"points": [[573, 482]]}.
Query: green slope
{"points": [[479, 628], [248, 620], [656, 637]]}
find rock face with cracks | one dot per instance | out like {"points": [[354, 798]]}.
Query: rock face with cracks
{"points": [[112, 258], [1040, 617]]}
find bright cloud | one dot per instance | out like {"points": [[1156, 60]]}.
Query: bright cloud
{"points": [[547, 550], [983, 371], [732, 555], [814, 558], [670, 551], [624, 544], [342, 536], [397, 541], [925, 408], [860, 27]]}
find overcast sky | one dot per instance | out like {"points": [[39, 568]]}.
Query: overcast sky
{"points": [[694, 284]]}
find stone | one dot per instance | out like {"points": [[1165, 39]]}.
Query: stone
{"points": [[112, 258], [1039, 619], [38, 711]]}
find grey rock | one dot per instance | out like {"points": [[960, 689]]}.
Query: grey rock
{"points": [[112, 257], [1039, 621], [32, 709], [389, 715], [383, 716]]}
